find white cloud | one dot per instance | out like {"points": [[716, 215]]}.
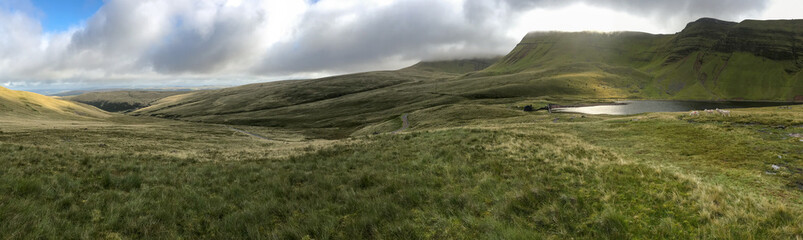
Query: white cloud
{"points": [[237, 41], [783, 9], [594, 19]]}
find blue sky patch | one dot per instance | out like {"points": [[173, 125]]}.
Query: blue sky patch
{"points": [[60, 15]]}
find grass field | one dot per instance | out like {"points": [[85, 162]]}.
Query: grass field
{"points": [[317, 159], [480, 169]]}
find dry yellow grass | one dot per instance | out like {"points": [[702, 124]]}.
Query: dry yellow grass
{"points": [[21, 103]]}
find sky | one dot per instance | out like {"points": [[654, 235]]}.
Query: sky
{"points": [[60, 15], [81, 44]]}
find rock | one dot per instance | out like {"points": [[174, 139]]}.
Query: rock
{"points": [[780, 157], [776, 167], [769, 173]]}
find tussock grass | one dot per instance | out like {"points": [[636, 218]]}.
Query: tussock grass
{"points": [[462, 171]]}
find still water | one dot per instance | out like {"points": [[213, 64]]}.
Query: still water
{"points": [[635, 107]]}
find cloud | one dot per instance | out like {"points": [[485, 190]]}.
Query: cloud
{"points": [[147, 41], [231, 37], [335, 38], [726, 9], [693, 9]]}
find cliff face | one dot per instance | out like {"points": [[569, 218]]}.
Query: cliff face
{"points": [[699, 35], [775, 40], [708, 59], [778, 40], [757, 60]]}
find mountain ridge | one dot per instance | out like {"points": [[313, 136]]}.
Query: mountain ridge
{"points": [[709, 60], [691, 64]]}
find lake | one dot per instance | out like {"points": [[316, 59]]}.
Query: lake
{"points": [[636, 107]]}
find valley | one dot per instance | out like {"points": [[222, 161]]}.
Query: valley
{"points": [[437, 150], [469, 170]]}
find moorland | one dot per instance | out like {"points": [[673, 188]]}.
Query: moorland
{"points": [[319, 159]]}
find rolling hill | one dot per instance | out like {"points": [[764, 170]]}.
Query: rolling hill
{"points": [[119, 101], [709, 60], [340, 104], [32, 105], [470, 165]]}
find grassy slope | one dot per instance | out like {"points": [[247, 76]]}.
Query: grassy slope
{"points": [[340, 104], [276, 95], [470, 167], [21, 104], [478, 169], [117, 101], [709, 60], [456, 67], [752, 60], [570, 64]]}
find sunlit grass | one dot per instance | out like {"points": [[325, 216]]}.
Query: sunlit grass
{"points": [[461, 171]]}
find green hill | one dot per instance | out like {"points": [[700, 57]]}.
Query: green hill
{"points": [[118, 101], [453, 67], [339, 104], [470, 165], [709, 60], [21, 104]]}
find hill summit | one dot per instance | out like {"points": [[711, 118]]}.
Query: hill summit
{"points": [[709, 60]]}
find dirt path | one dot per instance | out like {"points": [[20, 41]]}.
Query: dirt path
{"points": [[405, 124], [250, 133]]}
